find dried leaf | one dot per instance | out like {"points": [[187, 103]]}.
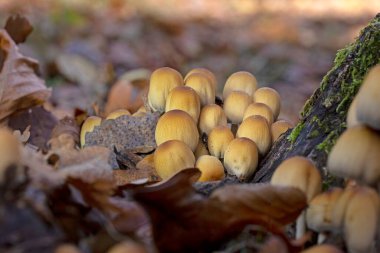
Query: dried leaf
{"points": [[24, 136], [126, 133], [18, 27], [20, 87], [195, 222]]}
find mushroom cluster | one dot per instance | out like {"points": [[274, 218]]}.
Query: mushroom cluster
{"points": [[237, 134]]}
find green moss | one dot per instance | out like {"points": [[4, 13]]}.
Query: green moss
{"points": [[313, 134], [295, 132]]}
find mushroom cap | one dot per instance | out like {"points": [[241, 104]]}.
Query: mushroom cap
{"points": [[270, 97], [257, 129], [118, 113], [203, 86], [352, 119], [200, 150], [212, 169], [368, 104], [205, 72], [211, 116], [218, 140], [186, 99], [88, 126], [299, 172], [279, 127], [177, 125], [10, 151], [140, 112], [319, 214], [241, 158], [356, 155], [162, 81], [323, 248], [67, 248], [259, 109], [240, 81], [235, 105], [361, 220], [171, 157], [127, 247]]}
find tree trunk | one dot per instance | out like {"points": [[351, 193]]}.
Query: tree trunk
{"points": [[323, 117]]}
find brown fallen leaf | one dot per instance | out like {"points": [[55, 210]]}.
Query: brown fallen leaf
{"points": [[198, 223], [126, 133], [18, 27], [20, 86]]}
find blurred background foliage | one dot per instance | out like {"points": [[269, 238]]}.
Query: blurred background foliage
{"points": [[83, 46]]}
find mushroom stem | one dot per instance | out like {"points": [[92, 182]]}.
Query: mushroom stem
{"points": [[301, 225]]}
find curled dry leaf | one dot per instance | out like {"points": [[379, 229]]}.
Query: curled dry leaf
{"points": [[197, 223], [126, 133], [20, 87], [18, 27]]}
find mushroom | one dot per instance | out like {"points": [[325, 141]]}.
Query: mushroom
{"points": [[140, 112], [212, 169], [319, 214], [127, 247], [67, 248], [257, 129], [301, 173], [270, 97], [10, 151], [186, 99], [118, 113], [259, 109], [162, 81], [88, 126], [356, 155], [352, 119], [279, 127], [234, 107], [367, 108], [205, 72], [240, 81], [324, 248], [171, 157], [241, 158], [211, 116], [203, 86], [177, 125], [218, 140]]}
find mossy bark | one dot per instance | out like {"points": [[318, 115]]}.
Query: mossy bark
{"points": [[323, 117]]}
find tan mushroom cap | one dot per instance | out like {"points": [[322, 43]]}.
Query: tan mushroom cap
{"points": [[211, 116], [368, 104], [118, 113], [235, 105], [212, 169], [240, 81], [324, 248], [301, 173], [319, 214], [356, 155], [352, 119], [186, 99], [171, 157], [218, 140], [177, 125], [203, 86], [67, 248], [259, 109], [257, 129], [162, 81], [200, 150], [10, 151], [279, 127], [127, 247], [88, 126], [205, 72], [270, 97], [241, 158]]}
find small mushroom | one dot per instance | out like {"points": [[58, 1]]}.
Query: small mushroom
{"points": [[118, 113], [203, 86], [279, 127], [270, 97], [301, 173], [352, 119], [368, 103], [127, 247], [162, 81], [88, 126], [211, 116], [323, 248], [241, 158], [240, 81], [259, 109], [205, 72], [177, 125], [218, 140], [171, 157], [186, 99], [234, 107], [10, 151], [212, 169], [257, 129]]}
